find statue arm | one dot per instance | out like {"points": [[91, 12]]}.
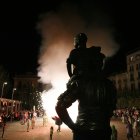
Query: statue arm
{"points": [[63, 114], [65, 100], [70, 61], [69, 68]]}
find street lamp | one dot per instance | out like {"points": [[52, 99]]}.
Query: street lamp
{"points": [[5, 83], [13, 92], [12, 98]]}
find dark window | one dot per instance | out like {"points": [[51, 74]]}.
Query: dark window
{"points": [[132, 87], [139, 86], [138, 74], [119, 85], [131, 68], [131, 77], [137, 67], [125, 84]]}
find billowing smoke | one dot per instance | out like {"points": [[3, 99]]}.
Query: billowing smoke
{"points": [[58, 28]]}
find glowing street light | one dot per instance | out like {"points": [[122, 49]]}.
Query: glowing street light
{"points": [[5, 83], [13, 92]]}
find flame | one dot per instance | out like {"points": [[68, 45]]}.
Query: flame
{"points": [[49, 100]]}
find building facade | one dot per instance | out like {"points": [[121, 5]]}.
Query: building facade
{"points": [[133, 69], [28, 89], [129, 81]]}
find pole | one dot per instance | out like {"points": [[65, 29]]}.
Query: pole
{"points": [[12, 98], [5, 83], [13, 93]]}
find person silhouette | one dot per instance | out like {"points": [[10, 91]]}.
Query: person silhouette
{"points": [[114, 135], [51, 132]]}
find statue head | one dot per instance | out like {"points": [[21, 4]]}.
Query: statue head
{"points": [[80, 40]]}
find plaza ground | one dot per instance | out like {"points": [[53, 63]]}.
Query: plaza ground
{"points": [[16, 131]]}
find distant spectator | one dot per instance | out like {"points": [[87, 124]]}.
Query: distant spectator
{"points": [[135, 127], [4, 120], [129, 130], [114, 134], [45, 120], [28, 124], [51, 132], [33, 122]]}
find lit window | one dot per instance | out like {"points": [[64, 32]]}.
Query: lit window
{"points": [[131, 58], [138, 56]]}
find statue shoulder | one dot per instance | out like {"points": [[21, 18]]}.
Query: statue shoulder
{"points": [[73, 52], [72, 55]]}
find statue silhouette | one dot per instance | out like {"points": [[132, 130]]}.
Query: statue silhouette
{"points": [[96, 96], [77, 57]]}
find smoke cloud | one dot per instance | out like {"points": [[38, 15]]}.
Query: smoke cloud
{"points": [[58, 28]]}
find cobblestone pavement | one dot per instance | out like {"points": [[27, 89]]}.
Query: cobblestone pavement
{"points": [[16, 131]]}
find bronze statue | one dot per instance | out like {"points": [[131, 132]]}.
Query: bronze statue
{"points": [[97, 99], [77, 57]]}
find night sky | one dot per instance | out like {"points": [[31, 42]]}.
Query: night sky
{"points": [[20, 39]]}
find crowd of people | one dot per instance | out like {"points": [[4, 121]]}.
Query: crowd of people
{"points": [[130, 117], [29, 118], [24, 117]]}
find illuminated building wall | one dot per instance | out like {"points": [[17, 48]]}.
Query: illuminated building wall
{"points": [[133, 69], [129, 80]]}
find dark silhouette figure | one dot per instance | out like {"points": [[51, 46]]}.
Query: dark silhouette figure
{"points": [[51, 132], [97, 99], [114, 135], [58, 122], [4, 120], [129, 130], [75, 61], [81, 60]]}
